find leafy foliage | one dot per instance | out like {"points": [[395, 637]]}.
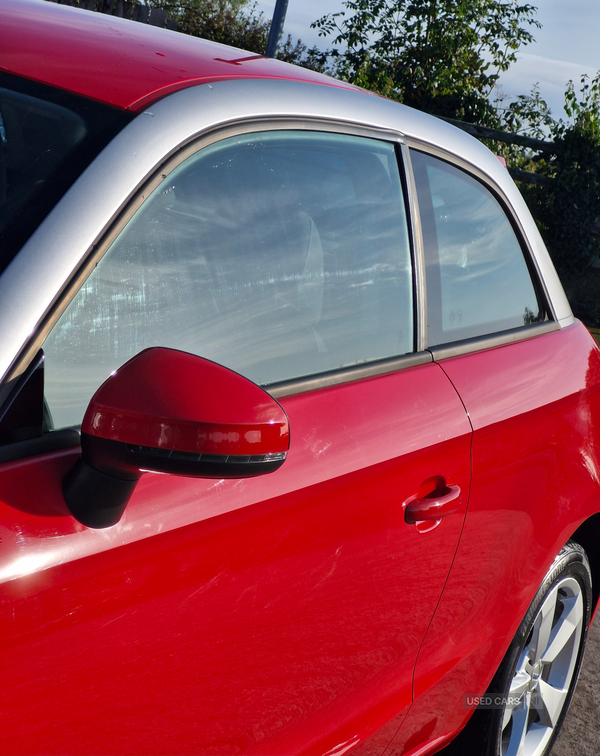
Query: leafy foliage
{"points": [[226, 21], [442, 56], [571, 210], [529, 115], [567, 209], [236, 23], [301, 55], [574, 202]]}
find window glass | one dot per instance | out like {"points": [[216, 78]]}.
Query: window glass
{"points": [[478, 282], [278, 254], [47, 138]]}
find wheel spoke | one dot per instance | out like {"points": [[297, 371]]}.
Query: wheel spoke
{"points": [[548, 702], [570, 621], [520, 716], [509, 712], [519, 684], [543, 627]]}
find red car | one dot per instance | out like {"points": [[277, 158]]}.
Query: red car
{"points": [[329, 321]]}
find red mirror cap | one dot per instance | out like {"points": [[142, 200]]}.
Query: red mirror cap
{"points": [[167, 399]]}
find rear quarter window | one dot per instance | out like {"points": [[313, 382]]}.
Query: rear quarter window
{"points": [[478, 282]]}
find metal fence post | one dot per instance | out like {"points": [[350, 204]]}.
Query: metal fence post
{"points": [[276, 28]]}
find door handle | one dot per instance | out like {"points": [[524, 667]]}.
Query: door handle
{"points": [[434, 501]]}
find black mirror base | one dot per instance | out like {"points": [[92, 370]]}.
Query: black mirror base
{"points": [[95, 499]]}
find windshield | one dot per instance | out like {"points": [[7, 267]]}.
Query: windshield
{"points": [[47, 138]]}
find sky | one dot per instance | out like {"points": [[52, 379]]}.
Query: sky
{"points": [[567, 45]]}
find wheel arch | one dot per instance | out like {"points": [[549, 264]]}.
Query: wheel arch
{"points": [[587, 536]]}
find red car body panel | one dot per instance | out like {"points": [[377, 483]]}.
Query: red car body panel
{"points": [[536, 467], [125, 64], [287, 609]]}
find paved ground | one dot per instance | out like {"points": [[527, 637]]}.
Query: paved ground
{"points": [[580, 734]]}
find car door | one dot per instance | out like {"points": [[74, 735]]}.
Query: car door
{"points": [[281, 613]]}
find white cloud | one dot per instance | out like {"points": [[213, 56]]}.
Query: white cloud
{"points": [[551, 74], [300, 15]]}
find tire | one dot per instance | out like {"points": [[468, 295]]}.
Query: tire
{"points": [[533, 686]]}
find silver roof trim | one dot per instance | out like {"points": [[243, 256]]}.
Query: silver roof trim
{"points": [[35, 279]]}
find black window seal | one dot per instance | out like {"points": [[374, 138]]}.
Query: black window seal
{"points": [[348, 374], [492, 340], [51, 441], [417, 249]]}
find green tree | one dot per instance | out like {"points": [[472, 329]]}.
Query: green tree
{"points": [[442, 56], [237, 23], [231, 22], [567, 206]]}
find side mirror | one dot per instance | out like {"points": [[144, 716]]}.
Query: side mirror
{"points": [[171, 412]]}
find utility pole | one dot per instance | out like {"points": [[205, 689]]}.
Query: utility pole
{"points": [[276, 28]]}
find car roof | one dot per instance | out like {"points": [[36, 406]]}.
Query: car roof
{"points": [[122, 63]]}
